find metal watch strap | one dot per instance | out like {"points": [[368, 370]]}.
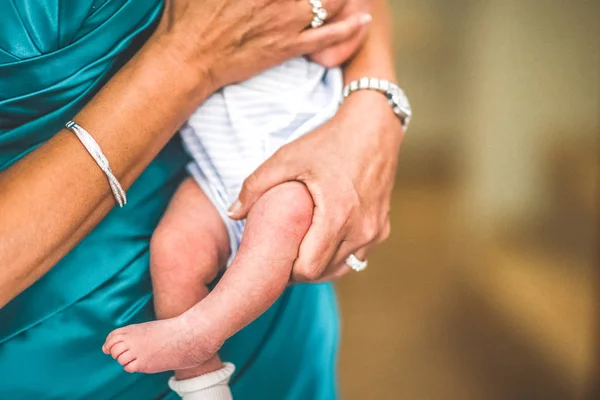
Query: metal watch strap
{"points": [[395, 95]]}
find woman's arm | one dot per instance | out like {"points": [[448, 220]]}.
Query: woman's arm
{"points": [[55, 195], [348, 165], [376, 57]]}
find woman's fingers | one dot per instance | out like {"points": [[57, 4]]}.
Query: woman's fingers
{"points": [[348, 247], [337, 268], [326, 233], [333, 7], [268, 175], [344, 268], [337, 55], [331, 34], [317, 249]]}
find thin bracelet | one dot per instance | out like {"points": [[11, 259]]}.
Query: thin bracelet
{"points": [[92, 147]]}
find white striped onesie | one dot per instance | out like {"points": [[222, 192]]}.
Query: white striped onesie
{"points": [[243, 124]]}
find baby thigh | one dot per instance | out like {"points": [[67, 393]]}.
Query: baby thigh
{"points": [[187, 250]]}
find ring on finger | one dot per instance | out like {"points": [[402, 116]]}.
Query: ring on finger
{"points": [[320, 13], [356, 264]]}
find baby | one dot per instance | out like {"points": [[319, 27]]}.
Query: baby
{"points": [[228, 137]]}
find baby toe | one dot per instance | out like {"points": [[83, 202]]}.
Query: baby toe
{"points": [[113, 338], [126, 357], [118, 349], [133, 366]]}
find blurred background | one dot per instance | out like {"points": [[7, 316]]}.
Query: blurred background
{"points": [[488, 286]]}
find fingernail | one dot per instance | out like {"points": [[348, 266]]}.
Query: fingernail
{"points": [[234, 208], [365, 18]]}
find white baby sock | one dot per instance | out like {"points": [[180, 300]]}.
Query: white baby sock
{"points": [[211, 386]]}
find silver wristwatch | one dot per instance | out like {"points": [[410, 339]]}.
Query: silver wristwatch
{"points": [[393, 92]]}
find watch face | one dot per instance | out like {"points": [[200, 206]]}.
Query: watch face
{"points": [[400, 100]]}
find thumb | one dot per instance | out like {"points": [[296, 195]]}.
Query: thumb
{"points": [[269, 174]]}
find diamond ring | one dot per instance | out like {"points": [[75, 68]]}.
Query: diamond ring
{"points": [[320, 13], [356, 264]]}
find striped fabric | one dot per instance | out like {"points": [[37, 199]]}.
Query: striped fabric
{"points": [[240, 126]]}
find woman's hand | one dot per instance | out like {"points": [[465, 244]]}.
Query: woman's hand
{"points": [[349, 166], [55, 195], [338, 54], [227, 45]]}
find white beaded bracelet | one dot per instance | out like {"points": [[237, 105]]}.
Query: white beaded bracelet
{"points": [[92, 147]]}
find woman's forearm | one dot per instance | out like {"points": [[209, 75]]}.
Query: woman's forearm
{"points": [[53, 197], [131, 118], [375, 58]]}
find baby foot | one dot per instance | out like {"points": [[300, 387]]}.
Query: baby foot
{"points": [[159, 346]]}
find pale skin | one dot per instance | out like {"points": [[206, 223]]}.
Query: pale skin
{"points": [[191, 245], [51, 201], [188, 249], [348, 165]]}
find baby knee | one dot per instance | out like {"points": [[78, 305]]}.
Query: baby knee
{"points": [[165, 246], [294, 203], [174, 250]]}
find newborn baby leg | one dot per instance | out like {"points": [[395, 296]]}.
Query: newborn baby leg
{"points": [[259, 273], [257, 276], [186, 251]]}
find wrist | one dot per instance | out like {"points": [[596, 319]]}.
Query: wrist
{"points": [[380, 115], [375, 104], [174, 56]]}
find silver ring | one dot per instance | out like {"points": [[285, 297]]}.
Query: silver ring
{"points": [[356, 264], [320, 13]]}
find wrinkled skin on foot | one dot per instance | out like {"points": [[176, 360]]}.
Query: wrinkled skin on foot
{"points": [[160, 346]]}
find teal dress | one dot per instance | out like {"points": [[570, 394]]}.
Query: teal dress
{"points": [[54, 55]]}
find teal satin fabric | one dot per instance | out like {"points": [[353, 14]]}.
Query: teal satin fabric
{"points": [[54, 55]]}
